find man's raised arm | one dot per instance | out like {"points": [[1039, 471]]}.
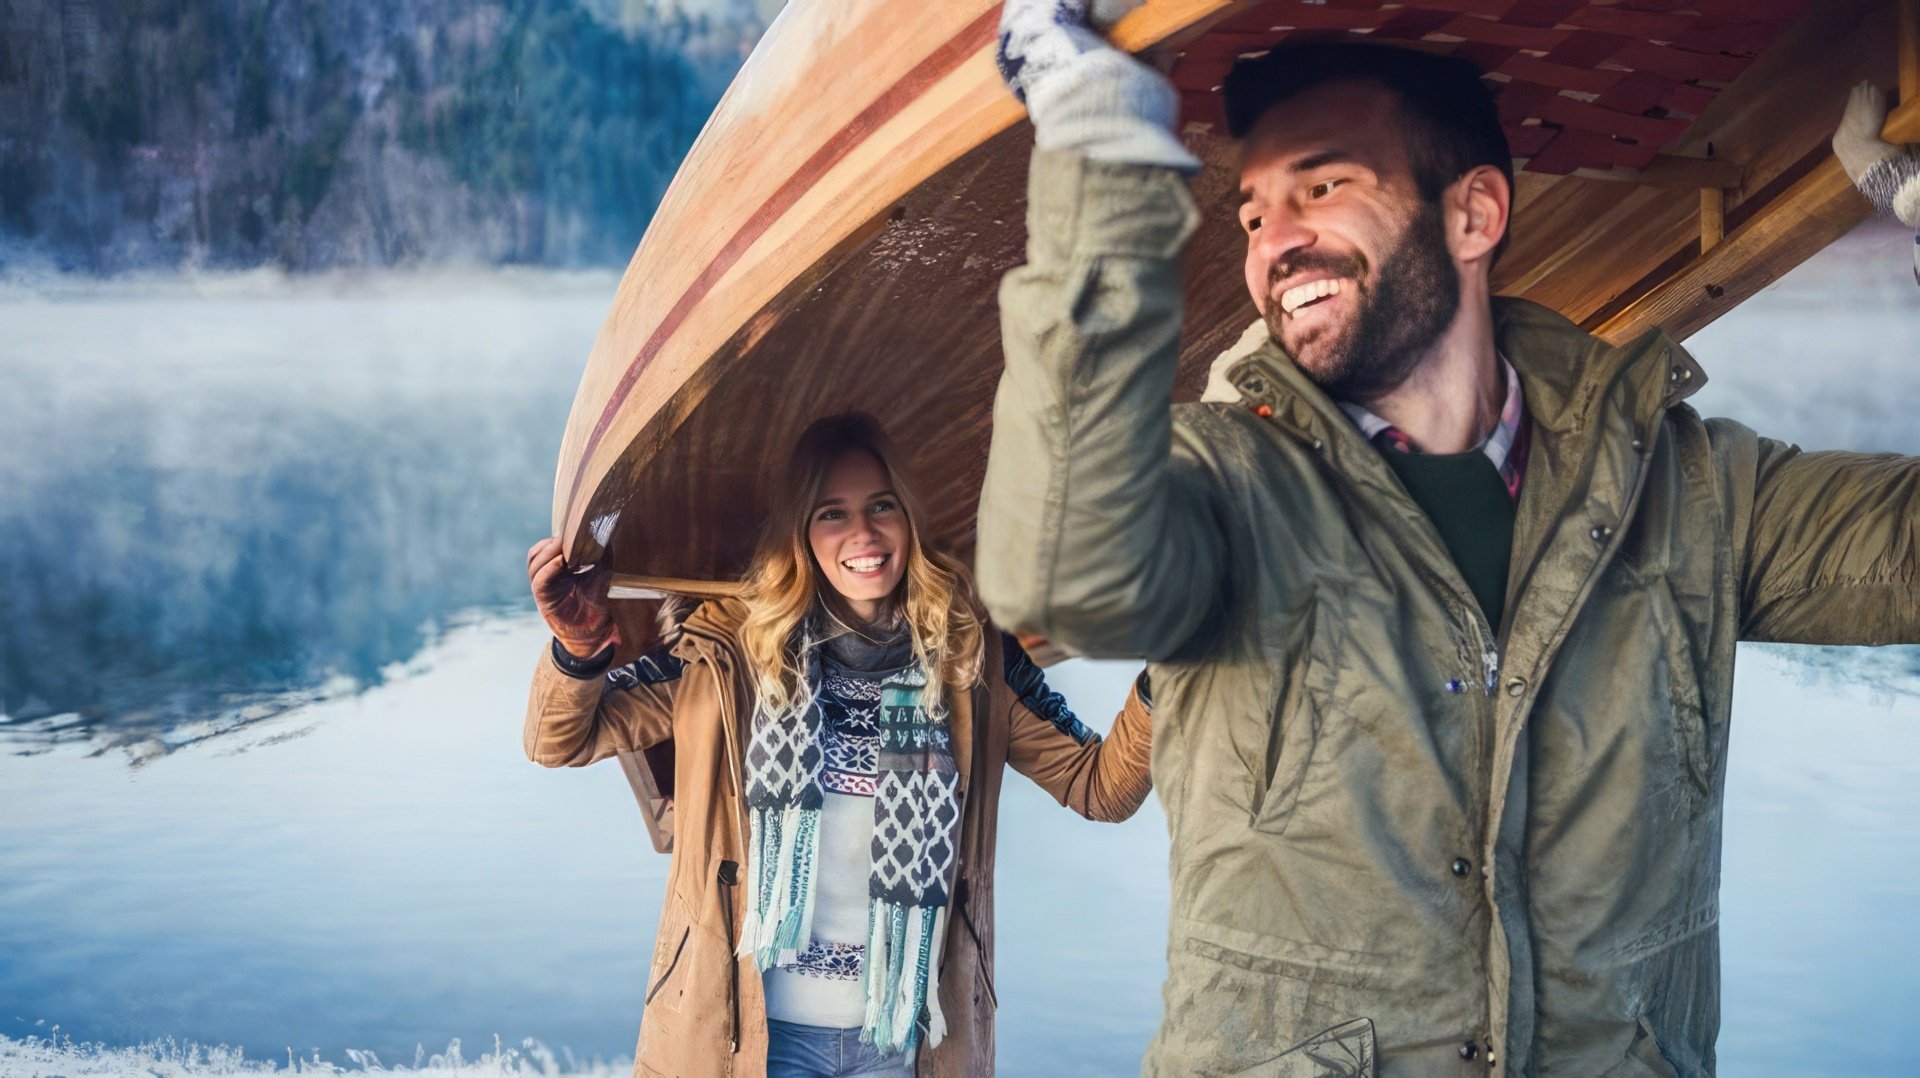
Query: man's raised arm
{"points": [[1093, 531]]}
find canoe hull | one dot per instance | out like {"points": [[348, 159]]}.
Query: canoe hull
{"points": [[841, 249]]}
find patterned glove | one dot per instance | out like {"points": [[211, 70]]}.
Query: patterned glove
{"points": [[1084, 95], [1889, 175]]}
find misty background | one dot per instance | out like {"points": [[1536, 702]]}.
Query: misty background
{"points": [[294, 297], [208, 493]]}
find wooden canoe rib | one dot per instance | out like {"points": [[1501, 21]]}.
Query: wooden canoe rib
{"points": [[835, 238]]}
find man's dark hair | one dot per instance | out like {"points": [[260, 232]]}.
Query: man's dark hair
{"points": [[1448, 113]]}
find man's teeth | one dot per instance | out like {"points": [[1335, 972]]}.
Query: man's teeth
{"points": [[1300, 295], [864, 565]]}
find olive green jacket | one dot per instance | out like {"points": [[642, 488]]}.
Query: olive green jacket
{"points": [[1404, 839]]}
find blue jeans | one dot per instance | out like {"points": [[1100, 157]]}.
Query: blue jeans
{"points": [[795, 1051]]}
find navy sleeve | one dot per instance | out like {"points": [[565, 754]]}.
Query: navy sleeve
{"points": [[1030, 688], [652, 668]]}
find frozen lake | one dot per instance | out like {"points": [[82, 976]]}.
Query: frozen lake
{"points": [[343, 848]]}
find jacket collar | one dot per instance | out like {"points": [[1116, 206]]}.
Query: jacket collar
{"points": [[1567, 375], [1594, 408]]}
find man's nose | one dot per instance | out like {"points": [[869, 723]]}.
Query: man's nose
{"points": [[1280, 236]]}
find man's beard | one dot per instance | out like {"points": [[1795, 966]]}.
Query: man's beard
{"points": [[1395, 320]]}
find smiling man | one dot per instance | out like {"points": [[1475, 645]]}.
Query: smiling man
{"points": [[1440, 593]]}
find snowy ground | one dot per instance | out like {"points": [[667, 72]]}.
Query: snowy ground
{"points": [[58, 1055]]}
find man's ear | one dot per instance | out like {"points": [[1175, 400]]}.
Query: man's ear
{"points": [[1477, 206]]}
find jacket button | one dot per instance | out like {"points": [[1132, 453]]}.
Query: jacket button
{"points": [[1462, 866], [1516, 686], [1601, 533], [1680, 375], [1469, 1050]]}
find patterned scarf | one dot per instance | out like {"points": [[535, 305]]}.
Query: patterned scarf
{"points": [[916, 845]]}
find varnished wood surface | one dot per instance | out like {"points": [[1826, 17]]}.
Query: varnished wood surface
{"points": [[836, 237]]}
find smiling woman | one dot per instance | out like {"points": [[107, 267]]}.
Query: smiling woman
{"points": [[842, 503], [857, 533], [838, 737]]}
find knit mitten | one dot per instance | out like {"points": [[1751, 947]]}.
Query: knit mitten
{"points": [[1888, 175], [1083, 95]]}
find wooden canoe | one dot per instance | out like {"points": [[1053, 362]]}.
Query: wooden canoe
{"points": [[835, 237]]}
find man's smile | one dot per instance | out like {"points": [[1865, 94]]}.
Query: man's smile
{"points": [[1311, 294]]}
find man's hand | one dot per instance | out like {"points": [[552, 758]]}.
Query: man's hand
{"points": [[1039, 37], [1084, 95], [1857, 143], [1888, 175], [573, 601]]}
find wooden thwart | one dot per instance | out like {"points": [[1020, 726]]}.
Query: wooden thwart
{"points": [[1904, 124], [1713, 218], [1909, 54], [636, 586], [1814, 212]]}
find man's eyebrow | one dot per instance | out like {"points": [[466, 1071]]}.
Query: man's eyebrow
{"points": [[1319, 160]]}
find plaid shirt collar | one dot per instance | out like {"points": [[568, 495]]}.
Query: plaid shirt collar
{"points": [[1506, 447]]}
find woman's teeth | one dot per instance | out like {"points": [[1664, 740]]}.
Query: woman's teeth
{"points": [[1300, 295], [865, 565]]}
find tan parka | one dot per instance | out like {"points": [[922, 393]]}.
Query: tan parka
{"points": [[705, 1012], [1405, 840]]}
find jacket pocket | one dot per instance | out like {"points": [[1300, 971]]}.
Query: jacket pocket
{"points": [[1644, 1058], [1692, 742], [1347, 1050], [1292, 721], [982, 961], [659, 978], [674, 947]]}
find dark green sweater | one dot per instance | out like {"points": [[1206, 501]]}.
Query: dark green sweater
{"points": [[1464, 496]]}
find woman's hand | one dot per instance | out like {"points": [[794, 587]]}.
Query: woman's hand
{"points": [[573, 602]]}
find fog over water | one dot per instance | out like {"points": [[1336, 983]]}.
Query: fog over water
{"points": [[265, 657], [224, 490]]}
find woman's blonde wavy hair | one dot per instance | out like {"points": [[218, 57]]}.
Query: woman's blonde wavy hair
{"points": [[785, 583]]}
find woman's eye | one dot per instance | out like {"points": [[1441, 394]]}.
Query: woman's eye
{"points": [[831, 514], [883, 506], [1323, 188]]}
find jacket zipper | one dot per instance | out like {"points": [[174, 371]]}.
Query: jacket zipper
{"points": [[730, 875], [671, 966]]}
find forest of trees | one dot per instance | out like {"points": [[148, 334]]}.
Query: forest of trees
{"points": [[311, 134]]}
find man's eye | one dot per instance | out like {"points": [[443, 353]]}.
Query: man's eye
{"points": [[1323, 188]]}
